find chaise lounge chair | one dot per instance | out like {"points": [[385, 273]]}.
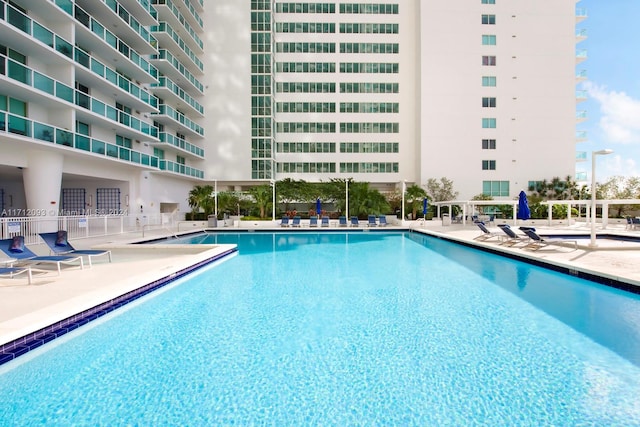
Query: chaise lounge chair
{"points": [[59, 245], [486, 234], [296, 221], [342, 221], [313, 221], [16, 271], [511, 238], [284, 222], [372, 221], [15, 248], [324, 222], [355, 222], [538, 242], [382, 221]]}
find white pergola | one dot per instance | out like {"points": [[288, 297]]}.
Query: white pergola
{"points": [[469, 207]]}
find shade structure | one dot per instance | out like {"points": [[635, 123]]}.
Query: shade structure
{"points": [[523, 206], [425, 206], [318, 206]]}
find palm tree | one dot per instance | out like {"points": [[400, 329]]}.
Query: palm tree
{"points": [[414, 195], [262, 196], [200, 198]]}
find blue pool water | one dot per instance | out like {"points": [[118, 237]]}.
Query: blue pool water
{"points": [[346, 329]]}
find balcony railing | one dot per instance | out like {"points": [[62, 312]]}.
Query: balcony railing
{"points": [[131, 21], [166, 82], [181, 118], [22, 126], [178, 15], [164, 54], [181, 143], [166, 28], [167, 165], [25, 75]]}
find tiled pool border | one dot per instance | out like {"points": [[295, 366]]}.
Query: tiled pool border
{"points": [[29, 342], [575, 272]]}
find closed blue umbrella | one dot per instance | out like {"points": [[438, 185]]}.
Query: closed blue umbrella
{"points": [[318, 206], [523, 206], [425, 206]]}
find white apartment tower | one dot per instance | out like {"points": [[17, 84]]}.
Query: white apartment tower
{"points": [[125, 105]]}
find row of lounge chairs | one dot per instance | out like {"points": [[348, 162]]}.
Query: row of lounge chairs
{"points": [[20, 259], [372, 221], [530, 240]]}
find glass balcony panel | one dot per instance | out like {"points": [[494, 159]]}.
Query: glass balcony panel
{"points": [[64, 92], [19, 125], [145, 159], [98, 107], [44, 83], [97, 28], [82, 58], [83, 100], [112, 76], [111, 40], [83, 142], [125, 153], [124, 118], [64, 47], [66, 5], [124, 49], [112, 4], [135, 157], [43, 132], [83, 17], [64, 137], [112, 113], [19, 72], [3, 121], [97, 67], [123, 83], [154, 161], [42, 34], [18, 19], [112, 150], [97, 146]]}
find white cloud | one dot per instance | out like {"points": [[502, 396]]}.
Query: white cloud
{"points": [[618, 165], [620, 115]]}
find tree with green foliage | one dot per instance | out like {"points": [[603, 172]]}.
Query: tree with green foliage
{"points": [[201, 199], [364, 200], [414, 195], [440, 191], [620, 187], [262, 197], [228, 202]]}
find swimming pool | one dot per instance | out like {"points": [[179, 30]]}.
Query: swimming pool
{"points": [[347, 329]]}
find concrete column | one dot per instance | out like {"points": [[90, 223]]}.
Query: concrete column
{"points": [[42, 183]]}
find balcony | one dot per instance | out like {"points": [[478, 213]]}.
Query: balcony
{"points": [[581, 35], [193, 16], [581, 177], [170, 66], [179, 145], [45, 84], [178, 168], [581, 116], [44, 133], [170, 91], [168, 37], [581, 156], [142, 9], [581, 135], [113, 15], [170, 13], [581, 95], [581, 56], [168, 115], [581, 15], [581, 76]]}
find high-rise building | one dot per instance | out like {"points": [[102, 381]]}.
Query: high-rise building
{"points": [[123, 106]]}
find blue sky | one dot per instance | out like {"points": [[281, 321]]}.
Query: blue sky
{"points": [[613, 86]]}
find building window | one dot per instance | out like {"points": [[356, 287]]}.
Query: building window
{"points": [[488, 165], [488, 123], [108, 200], [488, 102], [488, 1], [488, 81], [73, 201], [495, 188], [489, 60], [489, 19], [488, 144], [488, 39]]}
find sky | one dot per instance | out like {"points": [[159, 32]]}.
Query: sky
{"points": [[612, 85]]}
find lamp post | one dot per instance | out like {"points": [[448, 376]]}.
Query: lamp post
{"points": [[346, 203], [215, 197], [273, 199], [592, 243], [404, 188]]}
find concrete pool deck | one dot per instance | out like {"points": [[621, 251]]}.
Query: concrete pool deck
{"points": [[50, 298]]}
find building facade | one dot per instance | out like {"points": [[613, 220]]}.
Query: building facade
{"points": [[124, 106]]}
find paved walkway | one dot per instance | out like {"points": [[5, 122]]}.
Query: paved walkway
{"points": [[52, 297]]}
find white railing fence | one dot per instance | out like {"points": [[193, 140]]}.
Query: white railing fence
{"points": [[79, 226]]}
